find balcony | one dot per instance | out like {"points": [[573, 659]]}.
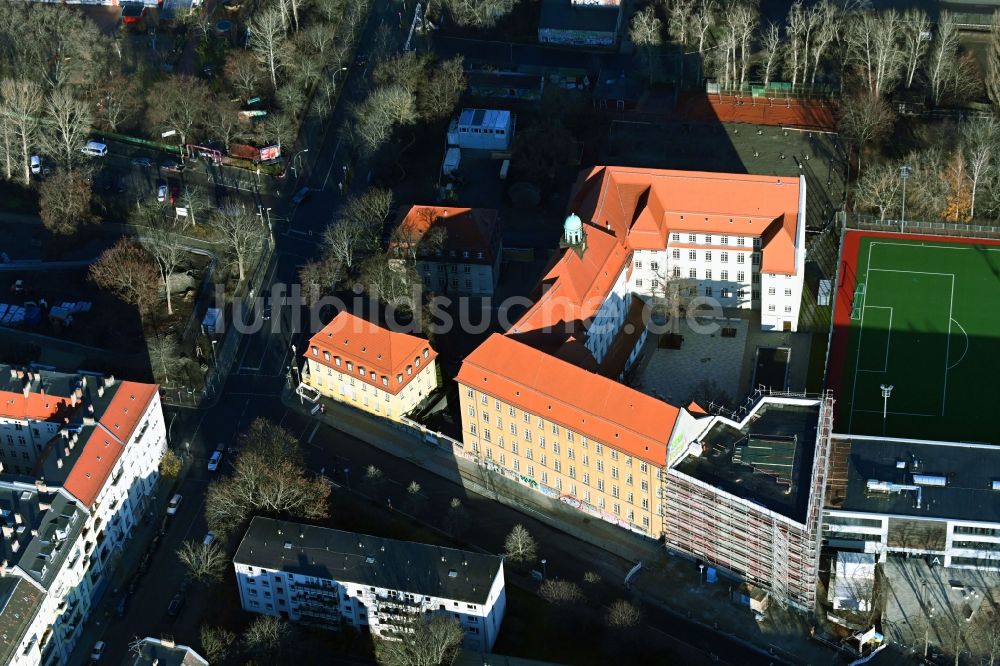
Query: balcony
{"points": [[315, 588], [386, 601], [322, 618], [312, 598]]}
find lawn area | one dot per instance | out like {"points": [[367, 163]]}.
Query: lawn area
{"points": [[916, 314]]}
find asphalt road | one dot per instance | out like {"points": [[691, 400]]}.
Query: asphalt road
{"points": [[511, 54]]}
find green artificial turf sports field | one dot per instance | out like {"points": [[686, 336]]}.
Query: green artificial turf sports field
{"points": [[925, 319]]}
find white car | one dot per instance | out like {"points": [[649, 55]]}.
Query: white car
{"points": [[209, 538], [98, 651], [175, 503], [161, 193], [36, 165], [214, 461], [94, 149]]}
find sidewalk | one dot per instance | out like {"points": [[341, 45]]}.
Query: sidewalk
{"points": [[670, 583]]}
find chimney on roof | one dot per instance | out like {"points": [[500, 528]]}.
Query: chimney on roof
{"points": [[40, 485], [66, 450], [109, 380], [8, 531], [18, 518], [72, 400], [100, 391], [20, 374], [13, 373], [90, 408], [26, 390], [59, 463], [83, 381]]}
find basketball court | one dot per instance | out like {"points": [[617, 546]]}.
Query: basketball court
{"points": [[918, 318]]}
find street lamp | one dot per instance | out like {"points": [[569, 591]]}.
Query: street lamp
{"points": [[544, 571], [215, 359], [295, 172], [904, 173], [701, 570], [170, 133], [886, 392], [342, 69]]}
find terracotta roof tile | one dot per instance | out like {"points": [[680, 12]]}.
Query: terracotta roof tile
{"points": [[378, 350], [92, 469], [585, 402], [468, 229]]}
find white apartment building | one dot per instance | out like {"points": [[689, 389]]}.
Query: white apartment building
{"points": [[912, 497], [68, 505], [331, 578]]}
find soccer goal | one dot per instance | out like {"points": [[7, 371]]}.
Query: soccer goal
{"points": [[858, 305]]}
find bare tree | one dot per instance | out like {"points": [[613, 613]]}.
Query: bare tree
{"points": [[943, 60], [771, 50], [262, 485], [265, 634], [68, 122], [243, 70], [993, 61], [623, 614], [826, 21], [64, 202], [395, 283], [204, 561], [560, 592], [441, 91], [680, 12], [386, 108], [319, 278], [164, 357], [182, 103], [126, 270], [224, 124], [877, 188], [979, 140], [20, 108], [216, 642], [865, 118], [745, 15], [268, 41], [244, 235], [520, 546], [358, 227], [457, 517], [478, 13], [797, 24], [120, 100], [873, 45], [916, 30], [421, 642], [645, 31], [702, 22], [165, 244]]}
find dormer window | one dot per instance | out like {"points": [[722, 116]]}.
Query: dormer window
{"points": [[350, 366], [361, 370], [426, 353], [409, 370], [373, 375], [399, 378], [315, 350], [465, 254], [416, 361], [336, 361], [385, 380], [326, 356]]}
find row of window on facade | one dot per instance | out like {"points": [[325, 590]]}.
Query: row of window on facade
{"points": [[692, 255], [372, 375], [709, 239], [452, 254]]}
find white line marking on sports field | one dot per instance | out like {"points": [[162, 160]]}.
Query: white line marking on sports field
{"points": [[893, 270], [966, 345], [947, 352], [861, 328], [879, 411]]}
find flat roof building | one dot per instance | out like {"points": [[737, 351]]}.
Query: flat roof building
{"points": [[905, 496], [331, 577]]}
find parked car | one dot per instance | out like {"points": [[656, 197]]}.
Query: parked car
{"points": [[121, 606], [176, 604], [94, 149], [161, 191], [175, 503], [301, 195], [209, 538], [175, 191], [171, 165], [36, 165], [98, 651], [142, 162], [267, 313], [214, 461]]}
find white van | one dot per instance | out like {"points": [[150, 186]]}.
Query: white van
{"points": [[94, 149]]}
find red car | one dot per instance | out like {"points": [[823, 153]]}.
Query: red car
{"points": [[175, 191]]}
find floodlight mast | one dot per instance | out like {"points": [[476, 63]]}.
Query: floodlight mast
{"points": [[886, 392]]}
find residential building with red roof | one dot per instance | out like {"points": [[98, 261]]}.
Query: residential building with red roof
{"points": [[457, 251], [80, 457], [369, 367]]}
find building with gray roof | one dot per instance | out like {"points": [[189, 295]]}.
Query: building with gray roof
{"points": [[331, 577], [939, 499]]}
